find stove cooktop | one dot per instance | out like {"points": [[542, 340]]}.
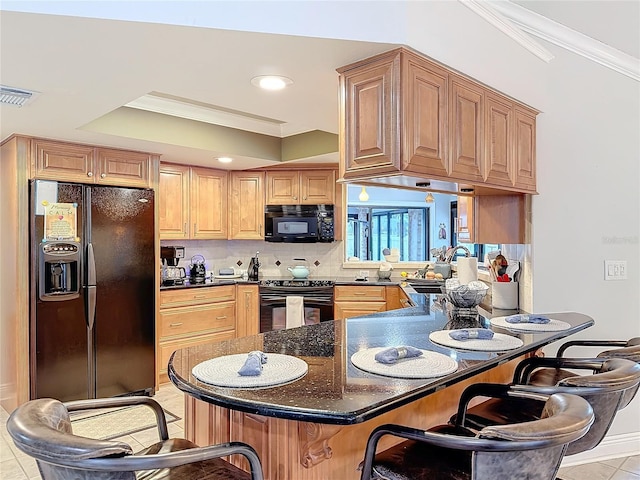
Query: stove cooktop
{"points": [[296, 282]]}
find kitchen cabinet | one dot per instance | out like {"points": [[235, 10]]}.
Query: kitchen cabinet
{"points": [[510, 142], [353, 301], [466, 142], [193, 202], [303, 187], [53, 160], [525, 149], [247, 205], [491, 219], [173, 200], [396, 298], [247, 310], [193, 316], [406, 118]]}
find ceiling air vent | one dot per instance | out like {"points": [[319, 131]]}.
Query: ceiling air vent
{"points": [[15, 96]]}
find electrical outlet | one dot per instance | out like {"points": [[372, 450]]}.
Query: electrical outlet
{"points": [[615, 269], [364, 274]]}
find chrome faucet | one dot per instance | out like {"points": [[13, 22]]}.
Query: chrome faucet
{"points": [[452, 251]]}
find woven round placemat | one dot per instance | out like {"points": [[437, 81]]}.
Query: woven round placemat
{"points": [[552, 326], [223, 371], [428, 365], [498, 343]]}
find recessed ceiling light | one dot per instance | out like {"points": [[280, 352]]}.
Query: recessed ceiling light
{"points": [[271, 82], [225, 159]]}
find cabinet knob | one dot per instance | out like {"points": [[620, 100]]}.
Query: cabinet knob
{"points": [[295, 198], [103, 175], [89, 174], [305, 197]]}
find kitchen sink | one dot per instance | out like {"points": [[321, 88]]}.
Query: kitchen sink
{"points": [[423, 285]]}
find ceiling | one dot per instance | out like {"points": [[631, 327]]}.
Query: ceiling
{"points": [[85, 82]]}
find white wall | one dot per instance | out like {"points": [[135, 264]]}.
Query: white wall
{"points": [[588, 134]]}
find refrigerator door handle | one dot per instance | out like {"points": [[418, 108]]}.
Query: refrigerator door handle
{"points": [[91, 287]]}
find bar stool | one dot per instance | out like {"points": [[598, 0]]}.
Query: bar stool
{"points": [[629, 349], [532, 450], [42, 429], [605, 390]]}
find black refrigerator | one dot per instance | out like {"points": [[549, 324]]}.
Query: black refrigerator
{"points": [[92, 309]]}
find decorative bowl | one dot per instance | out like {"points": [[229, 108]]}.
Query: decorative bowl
{"points": [[384, 274]]}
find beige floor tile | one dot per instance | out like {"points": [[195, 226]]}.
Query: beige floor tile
{"points": [[592, 471], [622, 475], [614, 462], [11, 470], [631, 464]]}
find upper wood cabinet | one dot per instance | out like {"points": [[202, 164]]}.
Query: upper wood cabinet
{"points": [[53, 160], [208, 194], [525, 149], [466, 141], [498, 141], [491, 219], [193, 202], [304, 187], [405, 118], [247, 205]]}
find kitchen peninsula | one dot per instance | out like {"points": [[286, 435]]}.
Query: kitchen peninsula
{"points": [[317, 426]]}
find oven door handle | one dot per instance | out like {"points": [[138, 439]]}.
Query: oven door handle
{"points": [[272, 300]]}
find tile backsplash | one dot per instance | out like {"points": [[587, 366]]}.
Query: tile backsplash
{"points": [[323, 259]]}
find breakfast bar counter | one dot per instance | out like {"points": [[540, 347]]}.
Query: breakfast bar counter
{"points": [[316, 426]]}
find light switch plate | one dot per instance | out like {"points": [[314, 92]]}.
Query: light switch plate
{"points": [[615, 269]]}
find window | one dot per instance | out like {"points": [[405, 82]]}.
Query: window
{"points": [[372, 229]]}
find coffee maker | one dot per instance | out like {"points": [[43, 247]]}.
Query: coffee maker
{"points": [[172, 274]]}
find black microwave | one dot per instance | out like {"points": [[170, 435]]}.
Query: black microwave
{"points": [[298, 223]]}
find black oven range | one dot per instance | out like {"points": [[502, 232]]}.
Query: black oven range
{"points": [[317, 297]]}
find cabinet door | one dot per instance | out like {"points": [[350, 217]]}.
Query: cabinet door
{"points": [[247, 310], [498, 141], [370, 116], [208, 196], [465, 126], [283, 188], [247, 205], [465, 220], [425, 118], [127, 169], [317, 187], [174, 201], [62, 161], [525, 149]]}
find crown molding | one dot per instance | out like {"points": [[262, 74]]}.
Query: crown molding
{"points": [[486, 11], [183, 108], [567, 38]]}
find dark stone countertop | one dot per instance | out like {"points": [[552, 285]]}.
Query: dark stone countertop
{"points": [[336, 392]]}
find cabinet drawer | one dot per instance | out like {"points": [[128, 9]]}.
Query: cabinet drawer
{"points": [[209, 318], [364, 293], [195, 296]]}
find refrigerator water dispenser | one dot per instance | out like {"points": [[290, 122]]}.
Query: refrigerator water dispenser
{"points": [[59, 271]]}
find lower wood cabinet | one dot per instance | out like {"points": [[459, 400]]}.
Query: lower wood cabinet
{"points": [[353, 301], [247, 310], [193, 316]]}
